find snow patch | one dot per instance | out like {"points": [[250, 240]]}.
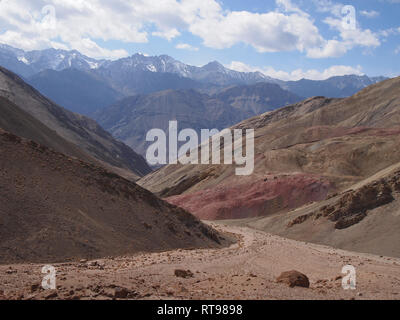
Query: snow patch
{"points": [[24, 60]]}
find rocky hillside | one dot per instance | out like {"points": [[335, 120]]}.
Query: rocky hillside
{"points": [[78, 130], [56, 208], [303, 152], [16, 121], [365, 217]]}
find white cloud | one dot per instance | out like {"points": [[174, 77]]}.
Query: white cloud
{"points": [[397, 50], [350, 38], [332, 7], [80, 24], [129, 21], [369, 14], [298, 74], [288, 6], [185, 46], [268, 32], [167, 34]]}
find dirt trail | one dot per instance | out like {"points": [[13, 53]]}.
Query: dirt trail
{"points": [[246, 270]]}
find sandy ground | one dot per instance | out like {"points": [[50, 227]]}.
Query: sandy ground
{"points": [[246, 270]]}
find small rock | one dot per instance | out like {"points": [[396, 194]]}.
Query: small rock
{"points": [[121, 293], [294, 279], [51, 295], [10, 271], [35, 287], [184, 274]]}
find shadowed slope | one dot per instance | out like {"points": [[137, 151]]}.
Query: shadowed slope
{"points": [[79, 130], [55, 208]]}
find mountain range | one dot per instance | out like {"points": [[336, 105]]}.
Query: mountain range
{"points": [[94, 84], [130, 119]]}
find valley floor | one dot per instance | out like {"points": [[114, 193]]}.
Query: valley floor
{"points": [[246, 270]]}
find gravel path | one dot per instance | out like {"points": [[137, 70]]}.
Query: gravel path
{"points": [[246, 270]]}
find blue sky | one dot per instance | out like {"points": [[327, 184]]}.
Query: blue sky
{"points": [[286, 39]]}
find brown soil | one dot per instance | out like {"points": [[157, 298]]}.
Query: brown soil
{"points": [[246, 270]]}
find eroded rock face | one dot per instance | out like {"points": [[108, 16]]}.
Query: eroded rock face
{"points": [[353, 206], [294, 279]]}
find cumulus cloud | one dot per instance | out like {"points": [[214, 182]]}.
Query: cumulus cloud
{"points": [[350, 37], [82, 25], [130, 21], [298, 74], [268, 32], [186, 46]]}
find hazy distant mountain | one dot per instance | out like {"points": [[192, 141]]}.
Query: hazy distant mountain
{"points": [[335, 87], [130, 81], [257, 99], [216, 73], [130, 119], [79, 91]]}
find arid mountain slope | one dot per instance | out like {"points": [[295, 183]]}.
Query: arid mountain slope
{"points": [[79, 130], [364, 218], [318, 147], [16, 121], [55, 208]]}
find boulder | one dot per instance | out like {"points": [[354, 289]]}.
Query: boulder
{"points": [[294, 279]]}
